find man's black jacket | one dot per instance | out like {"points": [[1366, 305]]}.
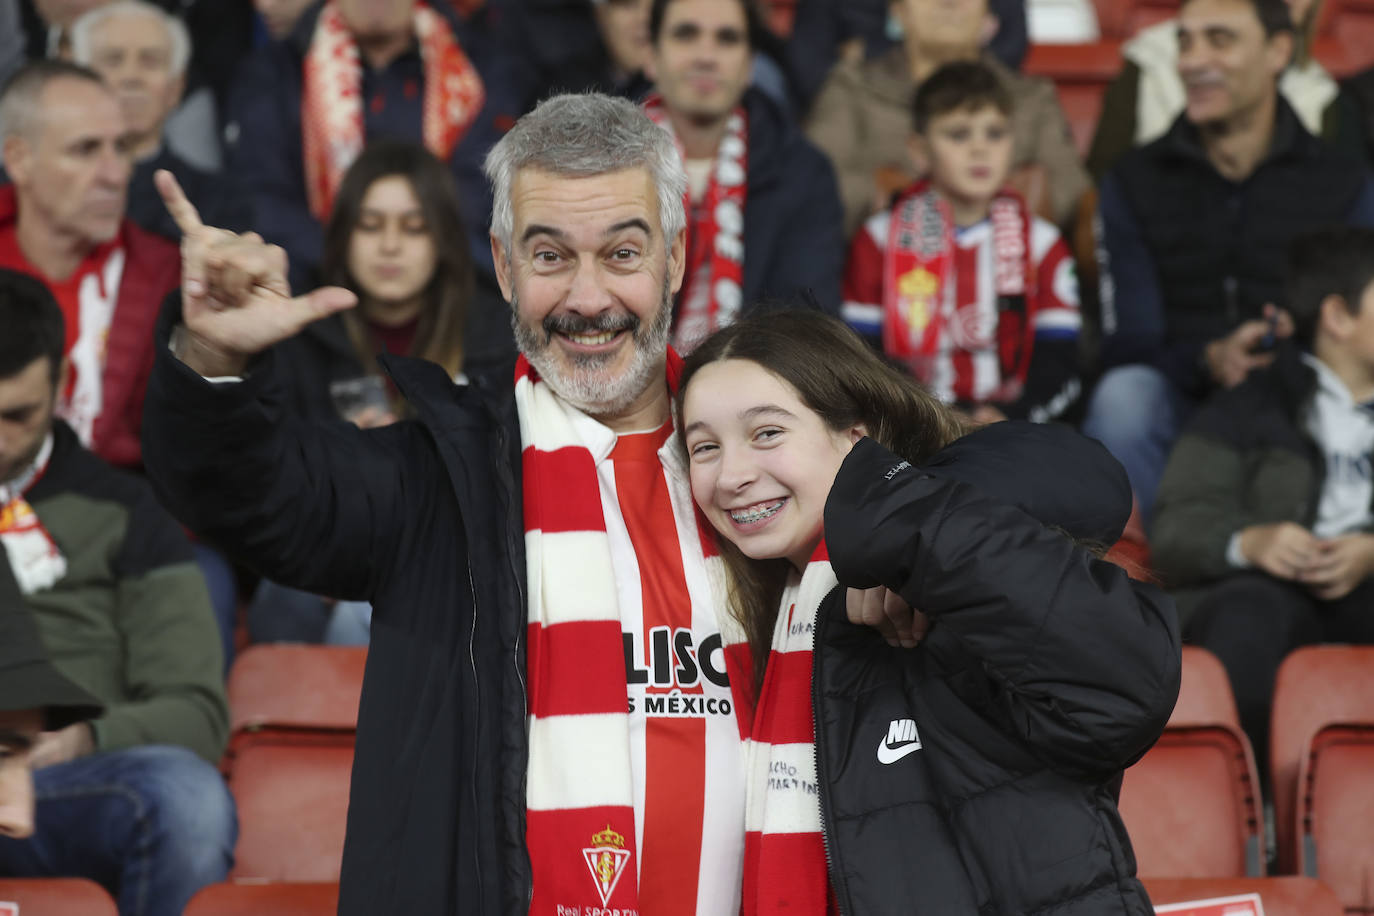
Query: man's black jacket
{"points": [[424, 519]]}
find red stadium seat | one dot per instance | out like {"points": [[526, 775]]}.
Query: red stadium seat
{"points": [[292, 795], [1317, 686], [1191, 804], [296, 687], [1080, 74], [56, 897], [1204, 697], [294, 712], [1284, 896], [265, 899], [1336, 813]]}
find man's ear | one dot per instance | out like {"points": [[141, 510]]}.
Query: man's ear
{"points": [[989, 30], [18, 159], [1334, 318], [1279, 52], [500, 258], [175, 90], [677, 261]]}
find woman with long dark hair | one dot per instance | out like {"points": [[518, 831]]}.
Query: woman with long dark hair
{"points": [[969, 763], [393, 238]]}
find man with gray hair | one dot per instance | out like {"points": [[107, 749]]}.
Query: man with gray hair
{"points": [[547, 724], [62, 220], [141, 52]]}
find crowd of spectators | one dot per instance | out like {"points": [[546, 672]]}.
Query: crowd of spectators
{"points": [[886, 162]]}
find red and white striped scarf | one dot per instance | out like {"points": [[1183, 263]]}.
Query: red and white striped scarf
{"points": [[784, 850], [332, 99], [918, 279], [713, 286], [34, 557]]}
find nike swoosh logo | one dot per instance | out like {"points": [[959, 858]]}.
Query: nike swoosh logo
{"points": [[888, 753]]}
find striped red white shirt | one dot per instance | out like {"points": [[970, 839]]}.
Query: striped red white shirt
{"points": [[687, 756], [967, 367]]}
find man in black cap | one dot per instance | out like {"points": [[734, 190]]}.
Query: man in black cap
{"points": [[34, 698]]}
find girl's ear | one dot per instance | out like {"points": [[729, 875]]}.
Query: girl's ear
{"points": [[857, 432]]}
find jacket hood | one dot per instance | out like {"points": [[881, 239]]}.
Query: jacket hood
{"points": [[1089, 499]]}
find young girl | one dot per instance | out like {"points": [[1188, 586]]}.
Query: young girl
{"points": [[977, 772]]}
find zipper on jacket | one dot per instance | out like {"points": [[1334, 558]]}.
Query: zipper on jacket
{"points": [[508, 481], [827, 822], [477, 691]]}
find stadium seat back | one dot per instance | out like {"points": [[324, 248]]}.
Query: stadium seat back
{"points": [[1316, 686], [1191, 807], [1205, 696], [1336, 813], [1080, 73], [57, 897], [296, 686], [271, 899], [1281, 896], [292, 795]]}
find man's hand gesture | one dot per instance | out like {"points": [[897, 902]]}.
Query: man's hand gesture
{"points": [[235, 298]]}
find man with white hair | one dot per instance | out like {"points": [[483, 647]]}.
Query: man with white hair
{"points": [[141, 52]]}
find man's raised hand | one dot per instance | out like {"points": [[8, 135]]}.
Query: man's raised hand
{"points": [[236, 301]]}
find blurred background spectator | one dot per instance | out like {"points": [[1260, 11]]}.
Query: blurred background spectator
{"points": [[63, 220], [130, 799], [351, 71], [861, 118], [1263, 525], [142, 52], [416, 297], [1195, 227], [1143, 101], [763, 209]]}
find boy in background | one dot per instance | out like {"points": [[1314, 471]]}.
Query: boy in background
{"points": [[958, 281], [1263, 524]]}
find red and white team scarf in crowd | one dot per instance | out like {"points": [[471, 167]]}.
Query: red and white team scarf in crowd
{"points": [[33, 556], [784, 849], [918, 267], [332, 102], [713, 287]]}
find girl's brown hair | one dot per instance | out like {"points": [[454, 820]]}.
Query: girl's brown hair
{"points": [[439, 336], [846, 383]]}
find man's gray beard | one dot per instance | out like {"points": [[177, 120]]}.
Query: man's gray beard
{"points": [[592, 391]]}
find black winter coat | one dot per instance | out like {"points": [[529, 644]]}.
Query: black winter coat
{"points": [[1045, 673], [793, 221], [424, 519]]}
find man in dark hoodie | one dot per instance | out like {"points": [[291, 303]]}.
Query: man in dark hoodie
{"points": [[764, 215]]}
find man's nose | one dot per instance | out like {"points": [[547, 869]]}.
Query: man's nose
{"points": [[588, 294]]}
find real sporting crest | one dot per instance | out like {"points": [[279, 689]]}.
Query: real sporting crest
{"points": [[607, 858]]}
